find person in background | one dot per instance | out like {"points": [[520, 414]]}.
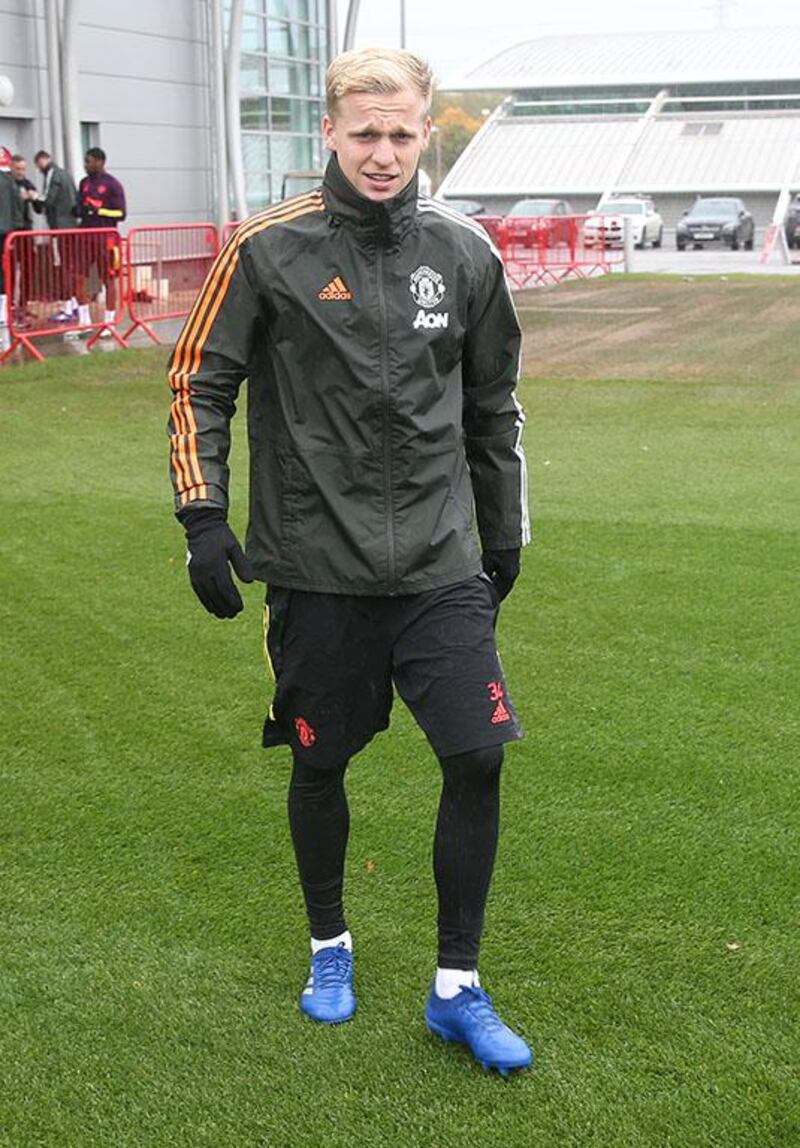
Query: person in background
{"points": [[26, 189], [58, 197], [57, 201], [11, 219], [101, 203]]}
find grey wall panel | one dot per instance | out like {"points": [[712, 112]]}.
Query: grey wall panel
{"points": [[144, 56], [21, 57], [108, 99], [160, 192], [143, 80], [139, 146], [25, 8], [181, 19], [18, 57]]}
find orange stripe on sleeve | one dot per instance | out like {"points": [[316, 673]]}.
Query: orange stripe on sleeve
{"points": [[212, 280], [189, 349]]}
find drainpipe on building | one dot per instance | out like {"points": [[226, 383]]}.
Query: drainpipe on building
{"points": [[233, 109], [69, 91], [54, 82], [350, 25], [218, 103], [332, 24]]}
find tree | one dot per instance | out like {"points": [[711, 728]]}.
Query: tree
{"points": [[454, 129]]}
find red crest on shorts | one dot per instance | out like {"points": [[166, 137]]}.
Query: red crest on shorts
{"points": [[306, 733]]}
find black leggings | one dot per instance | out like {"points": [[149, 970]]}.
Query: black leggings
{"points": [[463, 850]]}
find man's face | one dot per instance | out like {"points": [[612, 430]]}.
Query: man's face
{"points": [[92, 165], [18, 168], [42, 163], [378, 140]]}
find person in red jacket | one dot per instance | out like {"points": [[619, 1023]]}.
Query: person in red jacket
{"points": [[101, 203]]}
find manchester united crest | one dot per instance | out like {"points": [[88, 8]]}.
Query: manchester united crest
{"points": [[427, 287]]}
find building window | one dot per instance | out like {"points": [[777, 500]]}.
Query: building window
{"points": [[282, 82], [90, 136]]}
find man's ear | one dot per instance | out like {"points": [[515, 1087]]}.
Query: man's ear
{"points": [[427, 124], [329, 132]]}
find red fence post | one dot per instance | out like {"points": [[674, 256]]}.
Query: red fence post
{"points": [[229, 228], [166, 267], [543, 250], [44, 269]]}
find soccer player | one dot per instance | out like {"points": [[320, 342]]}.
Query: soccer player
{"points": [[101, 203], [388, 505]]}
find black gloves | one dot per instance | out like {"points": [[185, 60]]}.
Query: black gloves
{"points": [[502, 566], [210, 546]]}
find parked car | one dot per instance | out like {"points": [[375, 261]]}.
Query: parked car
{"points": [[607, 222], [529, 208], [791, 223], [465, 206], [723, 220], [298, 182], [540, 222]]}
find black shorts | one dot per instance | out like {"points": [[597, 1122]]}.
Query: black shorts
{"points": [[99, 253], [334, 658]]}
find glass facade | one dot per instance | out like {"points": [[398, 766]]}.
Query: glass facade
{"points": [[282, 93], [777, 95]]}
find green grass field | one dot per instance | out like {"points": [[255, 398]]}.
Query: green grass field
{"points": [[643, 930]]}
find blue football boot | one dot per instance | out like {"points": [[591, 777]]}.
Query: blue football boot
{"points": [[328, 996], [469, 1018]]}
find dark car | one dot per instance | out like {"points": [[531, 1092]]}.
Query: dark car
{"points": [[723, 220], [465, 206], [791, 223]]}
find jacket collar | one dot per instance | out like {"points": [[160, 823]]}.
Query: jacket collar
{"points": [[385, 223]]}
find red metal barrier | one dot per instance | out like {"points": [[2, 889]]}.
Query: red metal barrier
{"points": [[490, 224], [45, 269], [229, 228], [544, 250], [167, 266]]}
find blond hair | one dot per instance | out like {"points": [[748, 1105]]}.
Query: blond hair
{"points": [[378, 71]]}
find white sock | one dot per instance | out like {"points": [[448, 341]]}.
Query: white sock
{"points": [[343, 939], [3, 308], [450, 982], [110, 316], [84, 318], [71, 305]]}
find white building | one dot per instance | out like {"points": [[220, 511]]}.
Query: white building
{"points": [[186, 97], [673, 115]]}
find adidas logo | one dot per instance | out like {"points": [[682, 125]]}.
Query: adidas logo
{"points": [[336, 289], [500, 714]]}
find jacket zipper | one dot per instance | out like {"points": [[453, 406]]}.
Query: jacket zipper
{"points": [[387, 426]]}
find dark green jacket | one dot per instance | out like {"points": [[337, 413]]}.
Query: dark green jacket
{"points": [[58, 199], [381, 347], [12, 208]]}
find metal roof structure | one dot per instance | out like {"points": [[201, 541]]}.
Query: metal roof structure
{"points": [[596, 114], [744, 152], [661, 58], [574, 155]]}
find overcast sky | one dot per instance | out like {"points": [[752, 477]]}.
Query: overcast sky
{"points": [[457, 34]]}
